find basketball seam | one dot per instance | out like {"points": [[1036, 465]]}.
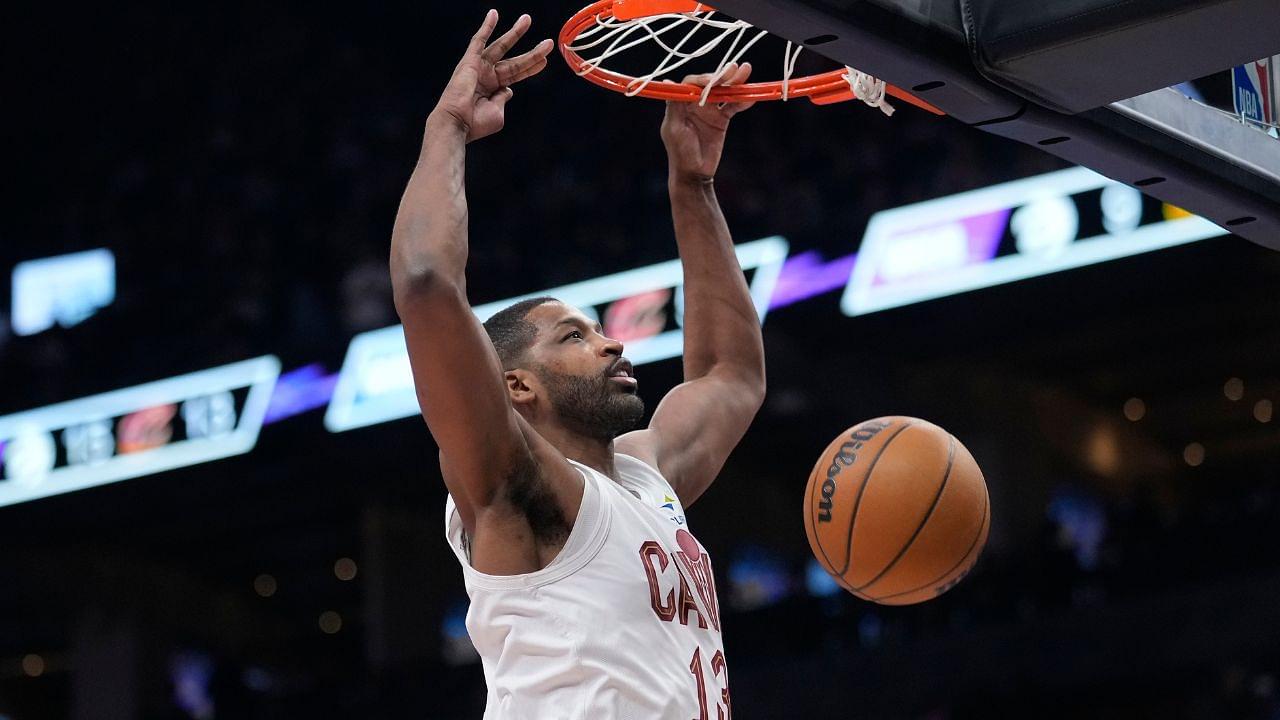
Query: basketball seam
{"points": [[853, 518], [982, 526], [933, 507], [949, 575]]}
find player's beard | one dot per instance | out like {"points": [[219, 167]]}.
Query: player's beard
{"points": [[592, 406]]}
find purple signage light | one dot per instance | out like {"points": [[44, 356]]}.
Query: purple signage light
{"points": [[806, 275], [298, 391], [938, 248], [985, 231]]}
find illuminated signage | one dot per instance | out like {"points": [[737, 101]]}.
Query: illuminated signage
{"points": [[1013, 231], [644, 305], [297, 391], [136, 431], [63, 290]]}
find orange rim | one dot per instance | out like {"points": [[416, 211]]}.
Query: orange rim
{"points": [[821, 89]]}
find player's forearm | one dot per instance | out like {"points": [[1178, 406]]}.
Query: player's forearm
{"points": [[721, 327], [429, 240]]}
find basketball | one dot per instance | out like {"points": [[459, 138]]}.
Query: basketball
{"points": [[896, 510]]}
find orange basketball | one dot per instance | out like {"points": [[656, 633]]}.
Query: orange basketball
{"points": [[896, 510]]}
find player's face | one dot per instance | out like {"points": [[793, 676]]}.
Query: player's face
{"points": [[586, 378]]}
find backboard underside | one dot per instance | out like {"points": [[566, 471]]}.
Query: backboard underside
{"points": [[1157, 140]]}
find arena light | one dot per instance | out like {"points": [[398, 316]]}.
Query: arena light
{"points": [[64, 290], [135, 431], [954, 244], [299, 390], [376, 384]]}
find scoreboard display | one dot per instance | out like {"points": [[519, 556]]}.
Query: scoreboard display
{"points": [[135, 431], [911, 254]]}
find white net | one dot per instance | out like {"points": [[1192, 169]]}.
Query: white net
{"points": [[608, 37], [869, 90]]}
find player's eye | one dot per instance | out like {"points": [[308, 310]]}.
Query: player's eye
{"points": [[575, 333]]}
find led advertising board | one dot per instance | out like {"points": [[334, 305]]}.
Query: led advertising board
{"points": [[1007, 232], [910, 254], [642, 307], [136, 431], [63, 290]]}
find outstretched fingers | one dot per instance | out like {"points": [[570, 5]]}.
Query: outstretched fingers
{"points": [[498, 48], [481, 38], [513, 70]]}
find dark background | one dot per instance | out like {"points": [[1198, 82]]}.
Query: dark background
{"points": [[244, 163]]}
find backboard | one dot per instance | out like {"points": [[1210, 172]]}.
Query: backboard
{"points": [[1095, 92]]}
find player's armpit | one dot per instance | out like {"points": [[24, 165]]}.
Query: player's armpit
{"points": [[459, 386], [694, 429]]}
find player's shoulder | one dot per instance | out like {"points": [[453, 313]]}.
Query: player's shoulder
{"points": [[637, 445], [638, 471], [636, 463]]}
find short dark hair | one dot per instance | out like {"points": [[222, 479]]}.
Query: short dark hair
{"points": [[511, 333]]}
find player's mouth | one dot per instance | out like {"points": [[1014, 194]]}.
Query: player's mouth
{"points": [[623, 373]]}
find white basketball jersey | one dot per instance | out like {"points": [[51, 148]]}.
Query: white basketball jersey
{"points": [[623, 624]]}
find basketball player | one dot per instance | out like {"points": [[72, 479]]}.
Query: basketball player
{"points": [[589, 597]]}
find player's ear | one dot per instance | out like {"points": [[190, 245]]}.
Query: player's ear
{"points": [[522, 386]]}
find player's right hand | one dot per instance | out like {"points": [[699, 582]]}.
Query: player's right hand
{"points": [[477, 94]]}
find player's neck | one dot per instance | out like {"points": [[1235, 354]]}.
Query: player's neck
{"points": [[595, 453]]}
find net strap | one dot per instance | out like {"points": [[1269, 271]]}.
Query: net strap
{"points": [[868, 89]]}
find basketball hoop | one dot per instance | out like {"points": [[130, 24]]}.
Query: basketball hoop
{"points": [[607, 28]]}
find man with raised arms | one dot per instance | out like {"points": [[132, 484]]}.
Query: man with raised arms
{"points": [[590, 598]]}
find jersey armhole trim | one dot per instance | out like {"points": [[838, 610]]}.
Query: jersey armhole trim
{"points": [[658, 479], [584, 543], [654, 468]]}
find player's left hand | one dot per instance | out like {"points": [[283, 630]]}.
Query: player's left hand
{"points": [[694, 134], [477, 94]]}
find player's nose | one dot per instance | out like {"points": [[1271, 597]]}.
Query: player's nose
{"points": [[611, 347]]}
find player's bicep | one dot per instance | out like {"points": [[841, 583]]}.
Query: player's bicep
{"points": [[458, 379], [694, 429]]}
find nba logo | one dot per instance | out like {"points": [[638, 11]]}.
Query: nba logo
{"points": [[1254, 91]]}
